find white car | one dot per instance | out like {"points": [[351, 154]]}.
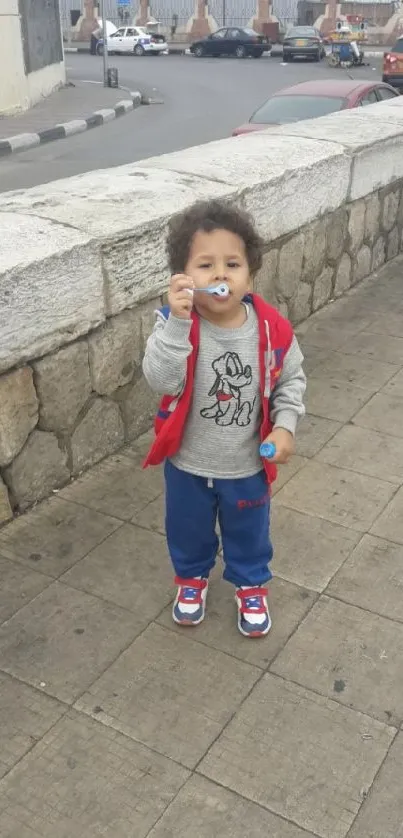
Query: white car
{"points": [[135, 40]]}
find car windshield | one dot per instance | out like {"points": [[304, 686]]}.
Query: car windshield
{"points": [[281, 109], [302, 31], [250, 32]]}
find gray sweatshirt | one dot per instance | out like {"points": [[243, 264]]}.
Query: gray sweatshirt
{"points": [[221, 437]]}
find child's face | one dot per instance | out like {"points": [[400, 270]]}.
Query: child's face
{"points": [[218, 257]]}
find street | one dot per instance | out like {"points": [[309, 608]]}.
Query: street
{"points": [[203, 101]]}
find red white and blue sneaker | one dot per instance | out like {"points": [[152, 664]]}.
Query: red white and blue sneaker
{"points": [[190, 602], [253, 611]]}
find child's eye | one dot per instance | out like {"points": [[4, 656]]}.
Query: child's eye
{"points": [[205, 265], [233, 264]]}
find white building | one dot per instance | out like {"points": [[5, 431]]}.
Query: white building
{"points": [[31, 54]]}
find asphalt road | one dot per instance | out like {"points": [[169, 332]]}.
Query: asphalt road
{"points": [[203, 100]]}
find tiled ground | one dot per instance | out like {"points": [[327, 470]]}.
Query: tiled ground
{"points": [[114, 722]]}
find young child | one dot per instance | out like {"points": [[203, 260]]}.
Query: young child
{"points": [[229, 369]]}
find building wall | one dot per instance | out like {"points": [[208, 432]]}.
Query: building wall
{"points": [[32, 66]]}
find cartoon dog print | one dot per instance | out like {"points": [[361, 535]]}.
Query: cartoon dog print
{"points": [[231, 376]]}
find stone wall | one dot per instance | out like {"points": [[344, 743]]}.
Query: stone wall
{"points": [[83, 268]]}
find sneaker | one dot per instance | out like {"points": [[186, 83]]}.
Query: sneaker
{"points": [[190, 601], [253, 611]]}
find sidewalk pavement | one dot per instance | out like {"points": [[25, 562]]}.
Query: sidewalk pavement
{"points": [[115, 722], [69, 110]]}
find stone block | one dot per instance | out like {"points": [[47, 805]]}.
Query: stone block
{"points": [[390, 523], [265, 281], [39, 468], [5, 507], [301, 304], [100, 432], [314, 250], [290, 266], [356, 225], [343, 276], [18, 586], [322, 291], [138, 406], [381, 815], [337, 232], [314, 756], [378, 254], [336, 400], [372, 216], [63, 385], [51, 287], [148, 673], [390, 210], [382, 413], [376, 166], [115, 352], [367, 452], [393, 244], [362, 264], [18, 412]]}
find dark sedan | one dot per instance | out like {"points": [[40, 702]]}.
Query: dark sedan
{"points": [[229, 41], [304, 42]]}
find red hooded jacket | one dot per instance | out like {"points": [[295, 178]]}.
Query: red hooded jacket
{"points": [[275, 337]]}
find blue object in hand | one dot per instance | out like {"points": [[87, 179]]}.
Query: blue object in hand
{"points": [[267, 450]]}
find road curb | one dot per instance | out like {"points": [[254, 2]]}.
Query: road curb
{"points": [[23, 142]]}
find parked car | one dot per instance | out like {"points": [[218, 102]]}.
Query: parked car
{"points": [[312, 99], [393, 65], [231, 41], [135, 40], [305, 42]]}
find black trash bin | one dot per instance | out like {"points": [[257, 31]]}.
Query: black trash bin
{"points": [[113, 77]]}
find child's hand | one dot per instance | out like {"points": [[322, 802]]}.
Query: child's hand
{"points": [[285, 445], [179, 299]]}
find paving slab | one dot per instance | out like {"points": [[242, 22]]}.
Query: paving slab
{"points": [[357, 370], [131, 568], [87, 780], [313, 433], [315, 757], [338, 495], [366, 451], [337, 400], [348, 654], [372, 578], [25, 716], [64, 639], [394, 387], [55, 535], [171, 693], [390, 524], [289, 605], [18, 586], [381, 815], [219, 813], [382, 413], [118, 486], [307, 550], [382, 348]]}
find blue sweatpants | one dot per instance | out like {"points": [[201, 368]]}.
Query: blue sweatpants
{"points": [[242, 507]]}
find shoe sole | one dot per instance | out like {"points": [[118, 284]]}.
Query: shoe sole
{"points": [[187, 623]]}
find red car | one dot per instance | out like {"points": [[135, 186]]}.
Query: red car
{"points": [[312, 99]]}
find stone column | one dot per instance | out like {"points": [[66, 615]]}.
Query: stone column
{"points": [[201, 23], [143, 14], [329, 21], [264, 14], [88, 21]]}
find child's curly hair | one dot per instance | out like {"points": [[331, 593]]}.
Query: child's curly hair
{"points": [[207, 216]]}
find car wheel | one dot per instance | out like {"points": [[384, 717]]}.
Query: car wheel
{"points": [[199, 52], [138, 50], [318, 56], [240, 52], [100, 49]]}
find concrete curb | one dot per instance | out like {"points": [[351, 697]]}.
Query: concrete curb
{"points": [[23, 142]]}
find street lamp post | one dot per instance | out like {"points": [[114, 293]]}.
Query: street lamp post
{"points": [[224, 12], [105, 39]]}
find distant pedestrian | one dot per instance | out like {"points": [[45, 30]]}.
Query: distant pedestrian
{"points": [[229, 368], [95, 37]]}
